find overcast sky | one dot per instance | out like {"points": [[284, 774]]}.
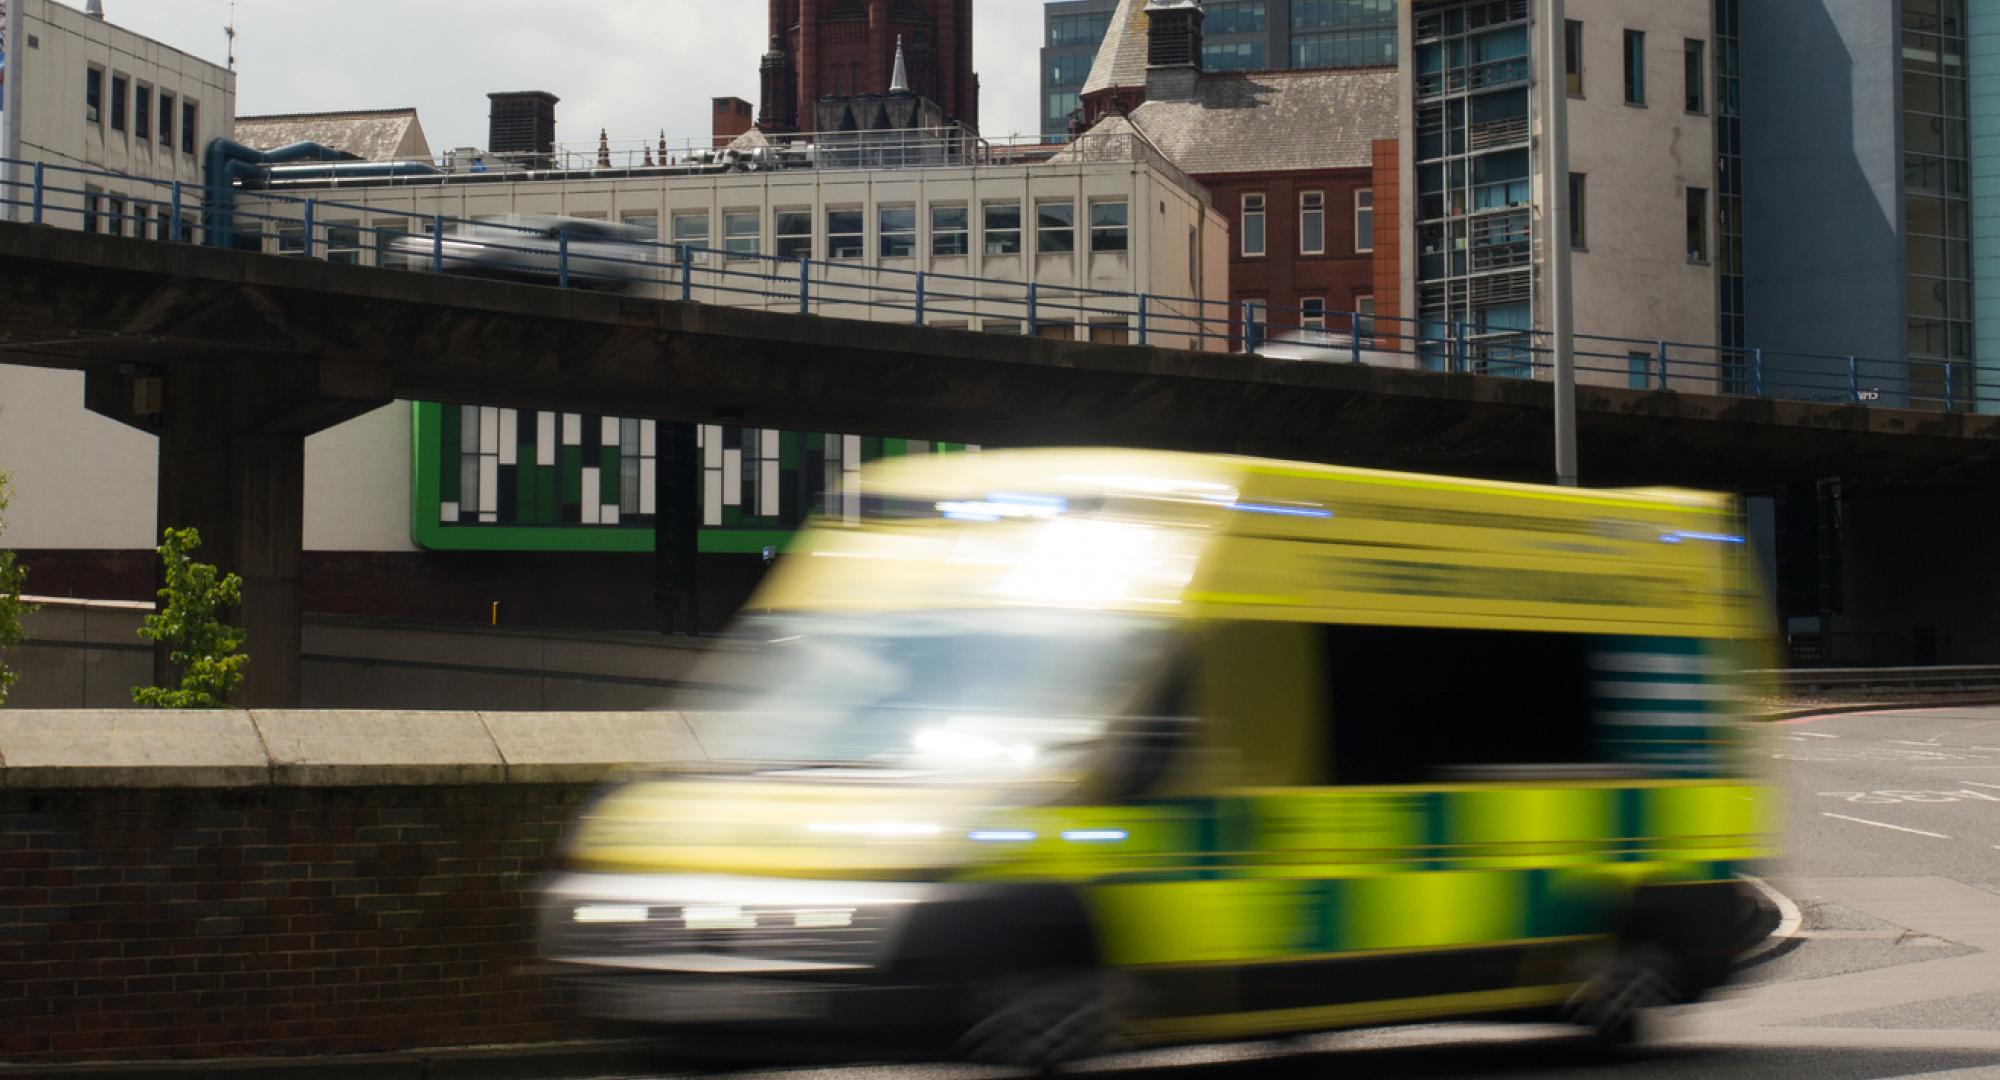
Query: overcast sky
{"points": [[635, 67]]}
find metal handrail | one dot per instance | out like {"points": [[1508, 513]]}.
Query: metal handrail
{"points": [[314, 227]]}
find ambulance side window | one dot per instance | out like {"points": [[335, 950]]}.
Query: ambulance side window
{"points": [[1413, 705]]}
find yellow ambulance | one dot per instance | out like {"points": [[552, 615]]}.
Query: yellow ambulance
{"points": [[1041, 754]]}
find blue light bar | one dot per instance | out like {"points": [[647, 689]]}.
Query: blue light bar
{"points": [[1713, 538], [1281, 511], [1000, 836], [1095, 836]]}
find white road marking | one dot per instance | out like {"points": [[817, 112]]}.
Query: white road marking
{"points": [[1818, 735], [1981, 783], [1884, 825]]}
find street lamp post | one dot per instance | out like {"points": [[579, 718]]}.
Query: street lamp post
{"points": [[1556, 276]]}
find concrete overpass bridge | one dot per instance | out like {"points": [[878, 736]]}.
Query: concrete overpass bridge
{"points": [[232, 359]]}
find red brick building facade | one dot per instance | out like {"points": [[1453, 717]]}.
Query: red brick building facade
{"points": [[1300, 267], [845, 48]]}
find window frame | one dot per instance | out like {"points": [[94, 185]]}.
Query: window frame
{"points": [[1101, 235], [940, 232], [1635, 68], [732, 249], [121, 102], [345, 253], [1312, 208], [1694, 51], [785, 242], [142, 114], [169, 105], [1573, 57], [837, 243], [190, 124], [884, 234], [1699, 250], [1364, 234], [93, 95], [1064, 233], [1364, 319], [1255, 205], [1312, 312], [987, 231]]}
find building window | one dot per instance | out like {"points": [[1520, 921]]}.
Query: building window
{"points": [[190, 113], [1062, 103], [794, 234], [1364, 220], [1312, 313], [166, 120], [1579, 195], [1253, 225], [1638, 371], [1364, 319], [1696, 67], [1635, 67], [1055, 228], [1233, 56], [644, 223], [741, 233], [897, 226], [142, 113], [638, 465], [1573, 56], [92, 200], [1109, 227], [343, 242], [1312, 223], [1697, 225], [386, 231], [951, 231], [846, 234], [1236, 17], [121, 90], [93, 96], [117, 216], [1003, 228], [691, 229]]}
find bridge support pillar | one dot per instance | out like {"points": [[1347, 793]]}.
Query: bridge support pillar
{"points": [[232, 465], [245, 492]]}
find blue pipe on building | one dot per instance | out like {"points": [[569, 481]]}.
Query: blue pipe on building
{"points": [[226, 160]]}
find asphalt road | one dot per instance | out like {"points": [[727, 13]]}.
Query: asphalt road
{"points": [[1893, 863]]}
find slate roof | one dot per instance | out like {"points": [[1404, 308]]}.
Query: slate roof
{"points": [[1121, 59], [372, 135], [1275, 121]]}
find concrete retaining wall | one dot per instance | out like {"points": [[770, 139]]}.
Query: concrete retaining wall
{"points": [[224, 884], [86, 654]]}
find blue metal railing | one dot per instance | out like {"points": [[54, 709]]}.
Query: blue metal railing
{"points": [[333, 230]]}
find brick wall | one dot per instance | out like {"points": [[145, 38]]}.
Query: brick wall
{"points": [[180, 923]]}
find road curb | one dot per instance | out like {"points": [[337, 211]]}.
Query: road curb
{"points": [[1786, 716], [1779, 939], [528, 1061]]}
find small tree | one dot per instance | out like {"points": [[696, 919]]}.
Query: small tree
{"points": [[12, 610], [203, 647]]}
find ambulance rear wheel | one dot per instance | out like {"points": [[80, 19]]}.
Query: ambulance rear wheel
{"points": [[1623, 987], [1043, 1019]]}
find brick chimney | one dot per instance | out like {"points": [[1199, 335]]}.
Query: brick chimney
{"points": [[732, 118]]}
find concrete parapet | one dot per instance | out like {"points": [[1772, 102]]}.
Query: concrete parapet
{"points": [[95, 749]]}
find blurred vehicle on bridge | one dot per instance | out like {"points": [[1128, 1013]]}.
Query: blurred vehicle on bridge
{"points": [[1332, 347], [538, 248], [1055, 752]]}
